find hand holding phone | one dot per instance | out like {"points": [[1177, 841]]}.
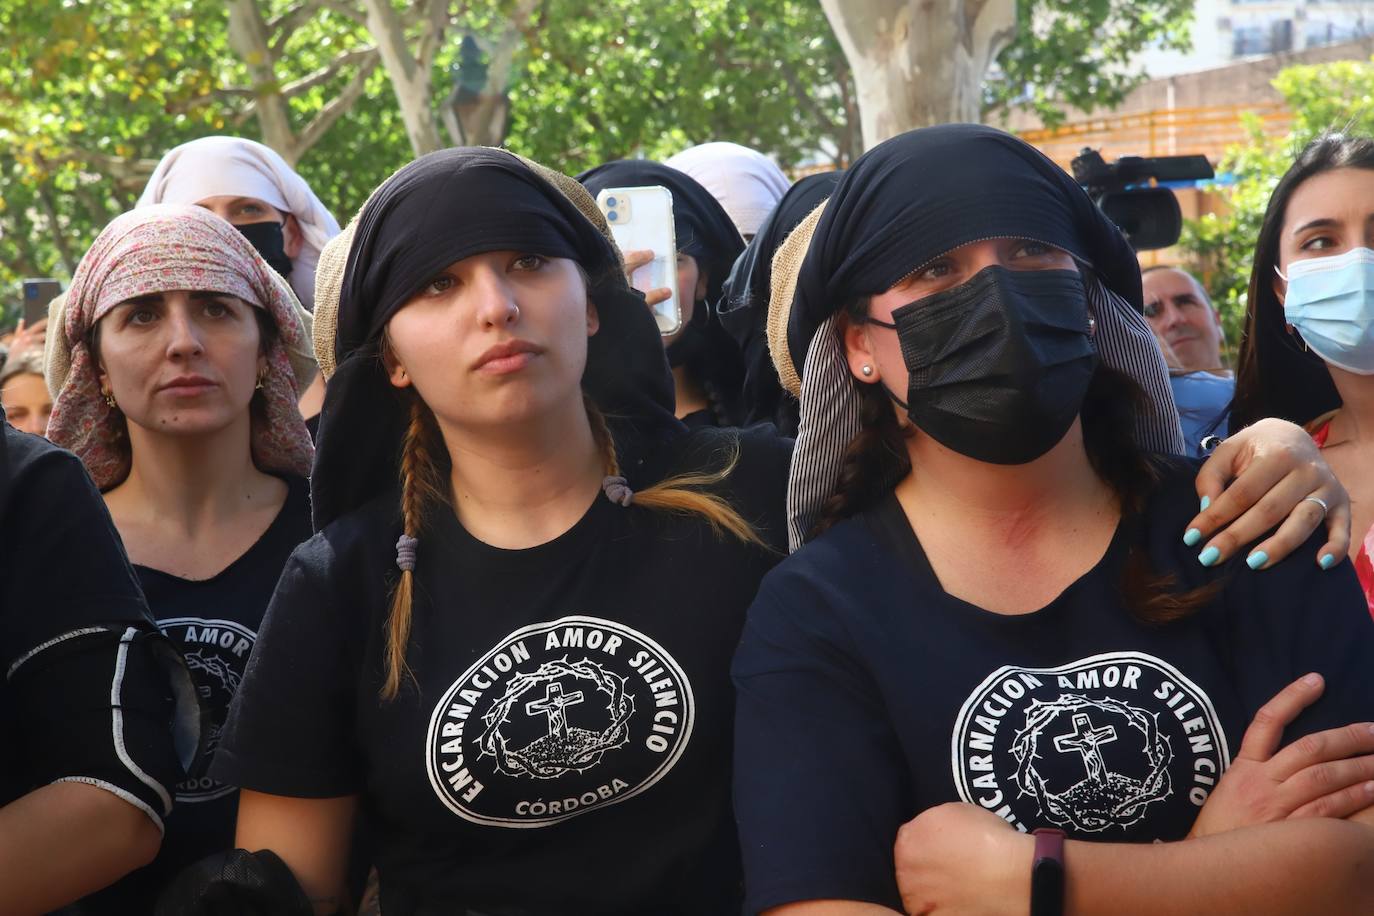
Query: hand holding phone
{"points": [[641, 221], [634, 260]]}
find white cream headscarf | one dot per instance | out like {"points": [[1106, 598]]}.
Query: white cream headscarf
{"points": [[744, 181], [215, 166]]}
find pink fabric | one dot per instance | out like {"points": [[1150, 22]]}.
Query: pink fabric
{"points": [[1364, 551], [158, 249]]}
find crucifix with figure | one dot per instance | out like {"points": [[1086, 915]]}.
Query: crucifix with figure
{"points": [[554, 705], [1087, 741]]}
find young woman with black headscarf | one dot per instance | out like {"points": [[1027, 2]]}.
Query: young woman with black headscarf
{"points": [[744, 303], [708, 368], [998, 611], [500, 661]]}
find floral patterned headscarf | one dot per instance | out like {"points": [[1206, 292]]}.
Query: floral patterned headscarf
{"points": [[158, 249]]}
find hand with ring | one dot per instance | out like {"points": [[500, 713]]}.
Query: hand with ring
{"points": [[1269, 477]]}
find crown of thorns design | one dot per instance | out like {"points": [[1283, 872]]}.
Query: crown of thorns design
{"points": [[1154, 787], [519, 763]]}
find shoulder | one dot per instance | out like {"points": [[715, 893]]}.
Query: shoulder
{"points": [[754, 463], [825, 577], [360, 541], [33, 458]]}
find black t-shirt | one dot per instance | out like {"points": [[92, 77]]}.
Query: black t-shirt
{"points": [[565, 744], [62, 571], [213, 623], [867, 695]]}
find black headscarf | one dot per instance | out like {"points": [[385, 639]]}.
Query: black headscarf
{"points": [[915, 197], [744, 304], [705, 232], [441, 208]]}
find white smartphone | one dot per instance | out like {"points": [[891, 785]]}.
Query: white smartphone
{"points": [[641, 219]]}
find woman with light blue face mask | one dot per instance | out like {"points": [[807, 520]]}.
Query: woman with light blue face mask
{"points": [[1308, 350]]}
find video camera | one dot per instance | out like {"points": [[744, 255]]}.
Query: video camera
{"points": [[1124, 190]]}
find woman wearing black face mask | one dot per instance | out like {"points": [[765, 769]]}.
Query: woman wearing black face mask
{"points": [[998, 627], [252, 187]]}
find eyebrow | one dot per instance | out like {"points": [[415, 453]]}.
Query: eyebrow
{"points": [[1326, 223], [197, 295]]}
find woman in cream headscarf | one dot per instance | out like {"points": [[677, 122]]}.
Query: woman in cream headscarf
{"points": [[251, 186], [176, 360]]}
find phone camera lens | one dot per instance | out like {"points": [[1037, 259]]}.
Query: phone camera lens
{"points": [[611, 216], [610, 201]]}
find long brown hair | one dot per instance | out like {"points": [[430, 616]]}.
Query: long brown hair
{"points": [[877, 459], [1275, 375], [425, 485]]}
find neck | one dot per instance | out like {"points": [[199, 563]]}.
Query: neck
{"points": [[690, 396], [1015, 502], [192, 482], [1354, 421], [519, 485]]}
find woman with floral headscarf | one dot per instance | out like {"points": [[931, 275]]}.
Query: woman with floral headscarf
{"points": [[175, 366]]}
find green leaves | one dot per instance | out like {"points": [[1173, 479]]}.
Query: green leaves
{"points": [[1334, 96]]}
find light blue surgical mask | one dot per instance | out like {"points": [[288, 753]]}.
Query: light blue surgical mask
{"points": [[1331, 303]]}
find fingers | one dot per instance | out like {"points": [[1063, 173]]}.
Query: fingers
{"points": [[655, 296], [1337, 546], [637, 259], [1254, 504], [1334, 744], [1231, 481], [1353, 799], [39, 326], [1306, 517], [1266, 729]]}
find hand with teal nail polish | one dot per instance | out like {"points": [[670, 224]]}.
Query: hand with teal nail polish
{"points": [[1192, 537], [1210, 556], [1257, 559], [1328, 561]]}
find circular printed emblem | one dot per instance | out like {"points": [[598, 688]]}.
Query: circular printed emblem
{"points": [[216, 651], [1104, 742], [557, 719]]}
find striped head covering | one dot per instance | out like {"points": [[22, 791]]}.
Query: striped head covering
{"points": [[887, 218], [158, 249]]}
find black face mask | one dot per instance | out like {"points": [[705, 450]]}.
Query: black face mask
{"points": [[999, 365], [268, 239]]}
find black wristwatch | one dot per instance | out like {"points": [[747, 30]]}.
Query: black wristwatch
{"points": [[1047, 873]]}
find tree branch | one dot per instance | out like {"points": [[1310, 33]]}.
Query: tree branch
{"points": [[285, 25], [337, 107], [342, 8], [327, 73], [433, 24], [225, 93]]}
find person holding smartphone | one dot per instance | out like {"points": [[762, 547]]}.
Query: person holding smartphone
{"points": [[708, 368], [994, 626]]}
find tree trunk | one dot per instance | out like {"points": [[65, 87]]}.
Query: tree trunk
{"points": [[919, 62], [248, 37], [410, 78]]}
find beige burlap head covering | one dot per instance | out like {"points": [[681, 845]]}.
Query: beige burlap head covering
{"points": [[161, 248]]}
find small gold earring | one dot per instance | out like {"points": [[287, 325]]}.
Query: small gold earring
{"points": [[261, 375], [109, 398]]}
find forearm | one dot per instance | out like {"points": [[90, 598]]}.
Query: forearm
{"points": [[66, 840], [829, 908], [1305, 866]]}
